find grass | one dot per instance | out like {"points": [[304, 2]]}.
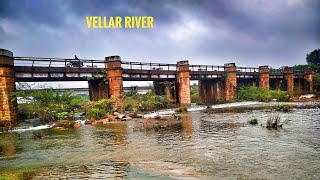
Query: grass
{"points": [[273, 122], [254, 93], [253, 121]]}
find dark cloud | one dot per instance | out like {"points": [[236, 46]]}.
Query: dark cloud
{"points": [[208, 32]]}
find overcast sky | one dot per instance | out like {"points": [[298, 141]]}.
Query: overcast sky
{"points": [[248, 32]]}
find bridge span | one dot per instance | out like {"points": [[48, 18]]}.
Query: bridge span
{"points": [[105, 78]]}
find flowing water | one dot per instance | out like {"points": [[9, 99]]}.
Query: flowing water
{"points": [[199, 146]]}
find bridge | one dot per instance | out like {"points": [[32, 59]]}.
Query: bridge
{"points": [[105, 78]]}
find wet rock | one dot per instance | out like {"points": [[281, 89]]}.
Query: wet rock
{"points": [[78, 122], [175, 116], [135, 115], [64, 124], [104, 121], [120, 116], [77, 125], [96, 123], [147, 118], [127, 118], [112, 118], [157, 117], [88, 121]]}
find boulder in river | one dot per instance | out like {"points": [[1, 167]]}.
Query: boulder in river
{"points": [[77, 125]]}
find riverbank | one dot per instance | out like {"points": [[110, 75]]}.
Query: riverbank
{"points": [[233, 107]]}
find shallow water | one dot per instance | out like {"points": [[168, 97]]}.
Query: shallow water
{"points": [[200, 146]]}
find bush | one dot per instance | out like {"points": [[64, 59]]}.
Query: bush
{"points": [[285, 107], [253, 121], [253, 93], [273, 122], [96, 113], [147, 102]]}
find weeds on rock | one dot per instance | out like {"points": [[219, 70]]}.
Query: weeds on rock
{"points": [[253, 121]]}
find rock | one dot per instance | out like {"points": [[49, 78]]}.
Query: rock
{"points": [[121, 116], [127, 118], [64, 123], [77, 125], [88, 121], [78, 121], [116, 114], [157, 117], [133, 115], [104, 121], [147, 118], [112, 118], [96, 123]]}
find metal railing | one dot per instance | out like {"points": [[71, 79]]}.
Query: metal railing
{"points": [[247, 69], [58, 62], [275, 71], [205, 68], [148, 66]]}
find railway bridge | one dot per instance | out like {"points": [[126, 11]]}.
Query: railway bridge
{"points": [[105, 78]]}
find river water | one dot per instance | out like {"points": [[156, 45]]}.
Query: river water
{"points": [[199, 146]]}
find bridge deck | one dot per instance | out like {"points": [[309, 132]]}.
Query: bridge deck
{"points": [[29, 69]]}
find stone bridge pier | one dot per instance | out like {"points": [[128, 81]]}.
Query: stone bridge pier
{"points": [[264, 77], [230, 81], [115, 81], [178, 90], [8, 105], [183, 81]]}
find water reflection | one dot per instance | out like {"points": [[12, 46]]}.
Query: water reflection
{"points": [[8, 146], [186, 124]]}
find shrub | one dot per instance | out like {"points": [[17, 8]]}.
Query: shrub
{"points": [[96, 113], [253, 121], [273, 122], [285, 107], [253, 93], [48, 105], [147, 102]]}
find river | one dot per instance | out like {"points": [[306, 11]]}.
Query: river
{"points": [[199, 146]]}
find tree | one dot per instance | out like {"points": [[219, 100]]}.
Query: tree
{"points": [[314, 57]]}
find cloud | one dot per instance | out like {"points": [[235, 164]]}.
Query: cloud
{"points": [[248, 32]]}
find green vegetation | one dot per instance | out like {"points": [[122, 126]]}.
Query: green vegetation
{"points": [[300, 67], [53, 105], [314, 57], [194, 94], [48, 105], [285, 107], [253, 93], [253, 121], [147, 102], [273, 122]]}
